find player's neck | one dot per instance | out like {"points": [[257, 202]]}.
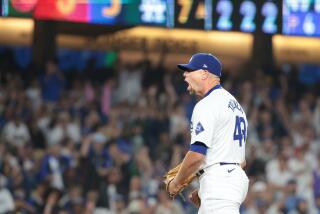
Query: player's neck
{"points": [[210, 85]]}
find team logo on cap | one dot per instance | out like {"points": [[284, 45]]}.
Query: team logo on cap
{"points": [[205, 66]]}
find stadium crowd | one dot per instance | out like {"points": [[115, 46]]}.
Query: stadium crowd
{"points": [[99, 140]]}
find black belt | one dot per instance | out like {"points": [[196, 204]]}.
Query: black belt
{"points": [[224, 163], [201, 171]]}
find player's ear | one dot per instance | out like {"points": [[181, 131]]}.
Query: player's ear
{"points": [[205, 74]]}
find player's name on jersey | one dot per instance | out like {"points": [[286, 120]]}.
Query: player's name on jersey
{"points": [[233, 105]]}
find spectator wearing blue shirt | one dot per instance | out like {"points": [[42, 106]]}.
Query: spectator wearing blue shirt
{"points": [[292, 199], [52, 83]]}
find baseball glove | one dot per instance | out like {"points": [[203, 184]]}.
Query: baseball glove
{"points": [[171, 174]]}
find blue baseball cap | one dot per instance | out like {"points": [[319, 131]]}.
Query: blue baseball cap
{"points": [[205, 61]]}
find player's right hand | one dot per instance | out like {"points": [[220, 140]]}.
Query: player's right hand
{"points": [[194, 198]]}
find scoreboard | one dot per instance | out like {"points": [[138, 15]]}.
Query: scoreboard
{"points": [[228, 15], [301, 17], [224, 15], [290, 17]]}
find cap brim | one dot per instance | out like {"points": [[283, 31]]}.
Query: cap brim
{"points": [[186, 67]]}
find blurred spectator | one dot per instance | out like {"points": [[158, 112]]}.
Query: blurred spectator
{"points": [[302, 170], [52, 82], [137, 206], [278, 172], [166, 205], [108, 95], [135, 190], [111, 189], [6, 199], [37, 198], [255, 164], [95, 160], [63, 130], [178, 122], [52, 167], [316, 180], [73, 201], [129, 83], [301, 207], [33, 92], [91, 123], [51, 204], [16, 132], [260, 198], [292, 199]]}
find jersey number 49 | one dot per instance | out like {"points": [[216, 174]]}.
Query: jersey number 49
{"points": [[240, 130]]}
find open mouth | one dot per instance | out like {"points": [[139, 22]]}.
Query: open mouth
{"points": [[187, 83], [188, 86]]}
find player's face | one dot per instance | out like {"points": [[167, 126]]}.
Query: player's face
{"points": [[193, 78]]}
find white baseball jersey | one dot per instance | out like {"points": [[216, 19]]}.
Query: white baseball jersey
{"points": [[219, 122]]}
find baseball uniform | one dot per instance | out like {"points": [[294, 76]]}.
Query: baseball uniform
{"points": [[219, 122], [219, 132]]}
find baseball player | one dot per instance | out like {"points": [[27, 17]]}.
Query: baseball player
{"points": [[218, 140]]}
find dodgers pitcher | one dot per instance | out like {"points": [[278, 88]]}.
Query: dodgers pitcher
{"points": [[218, 140]]}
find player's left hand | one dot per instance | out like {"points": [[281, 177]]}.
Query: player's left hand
{"points": [[172, 187]]}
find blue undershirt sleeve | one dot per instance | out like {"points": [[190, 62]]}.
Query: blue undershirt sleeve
{"points": [[199, 147]]}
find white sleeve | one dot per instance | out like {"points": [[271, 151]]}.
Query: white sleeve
{"points": [[202, 125]]}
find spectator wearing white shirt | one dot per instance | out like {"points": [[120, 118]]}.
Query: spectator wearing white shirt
{"points": [[63, 130], [16, 132], [278, 172], [6, 199]]}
